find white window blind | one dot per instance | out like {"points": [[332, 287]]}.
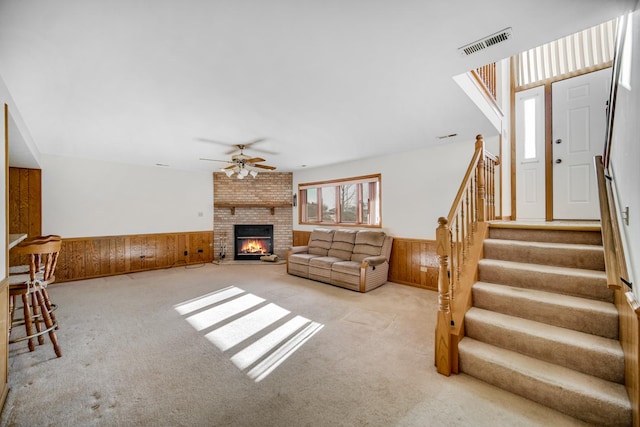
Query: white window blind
{"points": [[591, 48]]}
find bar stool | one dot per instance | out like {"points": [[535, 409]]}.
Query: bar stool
{"points": [[24, 269], [31, 287]]}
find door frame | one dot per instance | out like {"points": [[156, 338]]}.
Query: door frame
{"points": [[548, 143]]}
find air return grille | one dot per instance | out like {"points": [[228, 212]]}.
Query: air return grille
{"points": [[499, 37]]}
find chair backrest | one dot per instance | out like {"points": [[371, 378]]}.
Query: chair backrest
{"points": [[43, 256]]}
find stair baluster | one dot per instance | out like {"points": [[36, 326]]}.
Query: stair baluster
{"points": [[455, 238]]}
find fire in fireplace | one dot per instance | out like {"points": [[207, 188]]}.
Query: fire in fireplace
{"points": [[253, 246], [253, 241]]}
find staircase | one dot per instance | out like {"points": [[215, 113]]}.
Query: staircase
{"points": [[543, 324]]}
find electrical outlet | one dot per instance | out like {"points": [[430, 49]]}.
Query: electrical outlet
{"points": [[186, 253], [423, 268]]}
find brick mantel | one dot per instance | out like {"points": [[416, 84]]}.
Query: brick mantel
{"points": [[265, 199]]}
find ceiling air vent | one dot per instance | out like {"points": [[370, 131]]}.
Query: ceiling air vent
{"points": [[499, 37]]}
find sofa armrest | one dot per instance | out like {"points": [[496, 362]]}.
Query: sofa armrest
{"points": [[374, 260], [298, 249]]}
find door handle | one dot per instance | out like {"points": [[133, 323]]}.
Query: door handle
{"points": [[559, 161], [558, 141]]}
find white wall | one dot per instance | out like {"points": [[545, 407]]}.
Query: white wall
{"points": [[417, 186], [83, 198], [625, 157]]}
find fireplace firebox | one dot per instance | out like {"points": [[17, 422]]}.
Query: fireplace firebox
{"points": [[252, 241]]}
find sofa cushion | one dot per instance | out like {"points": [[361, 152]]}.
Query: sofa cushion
{"points": [[302, 259], [323, 262], [368, 243], [347, 267], [342, 245], [320, 241]]}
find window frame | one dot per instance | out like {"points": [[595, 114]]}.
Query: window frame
{"points": [[337, 184]]}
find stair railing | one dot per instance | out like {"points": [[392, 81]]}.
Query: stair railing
{"points": [[456, 234], [618, 280], [486, 76], [614, 259]]}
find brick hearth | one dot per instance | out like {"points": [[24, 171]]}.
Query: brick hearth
{"points": [[252, 201]]}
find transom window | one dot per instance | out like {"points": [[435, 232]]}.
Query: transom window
{"points": [[348, 201]]}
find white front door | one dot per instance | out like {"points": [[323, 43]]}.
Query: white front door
{"points": [[579, 122], [530, 154]]}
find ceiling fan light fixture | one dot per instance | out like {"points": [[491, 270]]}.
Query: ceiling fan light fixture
{"points": [[244, 172], [240, 176], [253, 173], [228, 172]]}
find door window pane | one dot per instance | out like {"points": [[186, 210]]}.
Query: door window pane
{"points": [[530, 128]]}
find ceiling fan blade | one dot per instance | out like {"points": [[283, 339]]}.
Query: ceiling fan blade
{"points": [[255, 141], [213, 141], [255, 160], [249, 145], [264, 167], [230, 167], [214, 160]]}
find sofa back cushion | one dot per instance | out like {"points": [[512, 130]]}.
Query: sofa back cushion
{"points": [[342, 245], [320, 241], [368, 243]]}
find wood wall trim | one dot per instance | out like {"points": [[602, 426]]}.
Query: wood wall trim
{"points": [[629, 326], [90, 257], [4, 281], [512, 132], [548, 155]]}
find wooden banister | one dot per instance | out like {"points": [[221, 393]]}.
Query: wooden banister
{"points": [[625, 301], [608, 230], [456, 234], [486, 76]]}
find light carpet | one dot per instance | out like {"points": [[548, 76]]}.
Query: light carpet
{"points": [[131, 358]]}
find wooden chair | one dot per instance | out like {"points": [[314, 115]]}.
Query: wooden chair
{"points": [[31, 287], [24, 269]]}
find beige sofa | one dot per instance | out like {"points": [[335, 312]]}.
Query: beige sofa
{"points": [[353, 259]]}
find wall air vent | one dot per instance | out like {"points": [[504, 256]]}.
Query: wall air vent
{"points": [[499, 37]]}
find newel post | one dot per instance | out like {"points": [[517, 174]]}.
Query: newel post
{"points": [[443, 325], [481, 180]]}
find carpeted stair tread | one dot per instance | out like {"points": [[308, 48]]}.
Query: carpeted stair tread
{"points": [[558, 254], [569, 281], [576, 394], [563, 233], [586, 353], [580, 314]]}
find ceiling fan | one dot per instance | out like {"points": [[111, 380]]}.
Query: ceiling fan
{"points": [[236, 147], [242, 164]]}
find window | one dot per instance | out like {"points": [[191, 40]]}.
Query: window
{"points": [[530, 128], [589, 49], [350, 201]]}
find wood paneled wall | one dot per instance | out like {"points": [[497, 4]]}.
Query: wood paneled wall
{"points": [[25, 205], [87, 257], [413, 262], [301, 238]]}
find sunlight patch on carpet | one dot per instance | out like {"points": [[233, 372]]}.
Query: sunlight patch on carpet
{"points": [[258, 334]]}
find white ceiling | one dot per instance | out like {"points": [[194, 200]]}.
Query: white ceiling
{"points": [[144, 82]]}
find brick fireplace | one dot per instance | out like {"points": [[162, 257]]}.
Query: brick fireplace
{"points": [[263, 200]]}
